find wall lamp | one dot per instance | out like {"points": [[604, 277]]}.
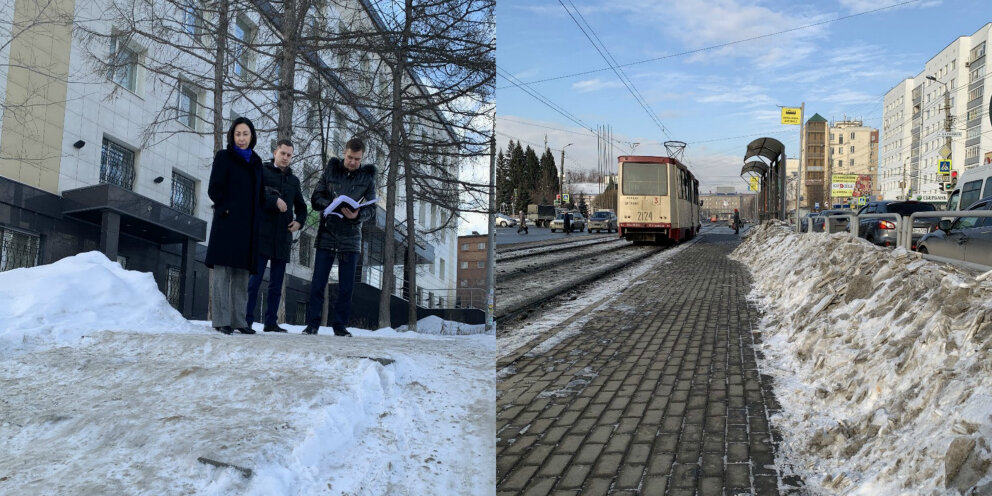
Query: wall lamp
{"points": [[158, 179], [79, 144]]}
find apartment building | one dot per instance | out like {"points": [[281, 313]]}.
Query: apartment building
{"points": [[853, 151], [118, 159], [916, 118], [473, 253], [816, 173]]}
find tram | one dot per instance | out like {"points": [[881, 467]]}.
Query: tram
{"points": [[658, 200]]}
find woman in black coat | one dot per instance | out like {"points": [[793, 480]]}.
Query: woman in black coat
{"points": [[236, 190]]}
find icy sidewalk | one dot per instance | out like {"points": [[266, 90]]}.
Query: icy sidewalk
{"points": [[130, 411], [881, 362]]}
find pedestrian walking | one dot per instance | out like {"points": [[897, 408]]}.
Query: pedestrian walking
{"points": [[567, 221], [340, 236], [523, 224], [737, 221], [235, 188], [284, 213]]}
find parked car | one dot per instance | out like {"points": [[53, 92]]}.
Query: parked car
{"points": [[804, 222], [882, 232], [837, 225], [966, 238], [603, 219], [578, 222], [505, 220]]}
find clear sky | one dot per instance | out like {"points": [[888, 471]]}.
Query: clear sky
{"points": [[715, 71]]}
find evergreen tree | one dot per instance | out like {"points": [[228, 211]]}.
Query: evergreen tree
{"points": [[547, 183], [504, 181], [583, 207]]}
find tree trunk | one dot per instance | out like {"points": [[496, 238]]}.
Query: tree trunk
{"points": [[220, 65], [396, 144], [287, 67], [411, 249]]}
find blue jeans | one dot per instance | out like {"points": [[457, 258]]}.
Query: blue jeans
{"points": [[323, 261], [276, 274]]}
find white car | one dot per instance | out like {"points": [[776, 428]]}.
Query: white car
{"points": [[505, 221]]}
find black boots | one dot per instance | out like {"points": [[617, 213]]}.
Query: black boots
{"points": [[273, 328], [310, 329], [224, 329], [246, 330], [342, 332]]}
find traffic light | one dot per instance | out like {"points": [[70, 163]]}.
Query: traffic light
{"points": [[954, 178], [948, 186]]}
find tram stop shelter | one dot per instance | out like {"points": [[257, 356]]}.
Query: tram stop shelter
{"points": [[765, 162]]}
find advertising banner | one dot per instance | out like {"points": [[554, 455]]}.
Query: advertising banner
{"points": [[842, 185], [862, 187]]}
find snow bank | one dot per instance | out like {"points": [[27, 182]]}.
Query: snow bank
{"points": [[882, 363], [60, 302]]}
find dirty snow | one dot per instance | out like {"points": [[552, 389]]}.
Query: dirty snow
{"points": [[108, 390], [882, 363]]}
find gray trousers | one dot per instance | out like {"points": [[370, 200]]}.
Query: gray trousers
{"points": [[229, 295]]}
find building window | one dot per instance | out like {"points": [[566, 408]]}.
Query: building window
{"points": [[172, 286], [440, 271], [480, 264], [852, 149], [183, 194], [188, 106], [852, 135], [18, 249], [301, 313], [841, 141], [464, 246], [243, 32], [464, 265], [192, 18], [306, 249], [482, 246], [852, 163], [116, 165], [464, 283], [123, 64]]}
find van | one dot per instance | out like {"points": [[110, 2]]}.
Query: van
{"points": [[973, 185]]}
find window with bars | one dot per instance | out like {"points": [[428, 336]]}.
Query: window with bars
{"points": [[188, 106], [18, 249], [301, 313], [123, 64], [183, 193], [116, 164], [173, 282], [306, 249]]}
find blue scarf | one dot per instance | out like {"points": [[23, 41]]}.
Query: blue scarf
{"points": [[245, 154]]}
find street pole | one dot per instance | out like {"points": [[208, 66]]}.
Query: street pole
{"points": [[947, 117], [561, 187], [491, 252], [802, 156]]}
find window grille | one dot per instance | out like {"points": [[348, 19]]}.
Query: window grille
{"points": [[116, 165], [18, 249], [301, 312], [183, 193], [306, 249], [173, 282]]}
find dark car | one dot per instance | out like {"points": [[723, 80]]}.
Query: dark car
{"points": [[883, 231], [804, 222], [966, 238], [840, 224]]}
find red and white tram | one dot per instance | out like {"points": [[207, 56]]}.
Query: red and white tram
{"points": [[658, 200]]}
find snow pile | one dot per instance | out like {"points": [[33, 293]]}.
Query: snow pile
{"points": [[882, 361], [139, 408], [434, 325], [61, 302]]}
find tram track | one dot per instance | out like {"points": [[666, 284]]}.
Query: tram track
{"points": [[567, 256], [521, 250]]}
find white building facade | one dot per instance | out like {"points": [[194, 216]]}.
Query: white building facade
{"points": [[139, 139], [915, 118]]}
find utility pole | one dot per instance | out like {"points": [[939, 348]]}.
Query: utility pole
{"points": [[947, 118], [491, 252], [561, 187]]}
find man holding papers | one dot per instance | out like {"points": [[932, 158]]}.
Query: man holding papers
{"points": [[345, 196]]}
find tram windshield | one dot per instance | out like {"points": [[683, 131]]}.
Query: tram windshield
{"points": [[645, 179]]}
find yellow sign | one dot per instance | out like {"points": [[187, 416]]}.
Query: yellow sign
{"points": [[754, 184], [842, 185], [791, 115]]}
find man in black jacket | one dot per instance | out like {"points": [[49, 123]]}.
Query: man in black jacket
{"points": [[282, 190], [340, 236]]}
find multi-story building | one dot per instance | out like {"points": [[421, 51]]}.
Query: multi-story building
{"points": [[853, 151], [473, 253], [722, 203], [118, 160], [816, 173], [948, 93]]}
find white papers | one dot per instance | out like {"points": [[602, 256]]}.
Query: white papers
{"points": [[345, 201]]}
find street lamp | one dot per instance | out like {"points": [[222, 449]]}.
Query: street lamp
{"points": [[561, 187], [947, 118]]}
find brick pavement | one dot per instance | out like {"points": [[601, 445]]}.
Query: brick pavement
{"points": [[659, 395]]}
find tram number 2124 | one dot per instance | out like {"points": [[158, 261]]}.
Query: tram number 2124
{"points": [[644, 216]]}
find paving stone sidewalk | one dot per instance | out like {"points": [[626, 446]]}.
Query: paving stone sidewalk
{"points": [[658, 395]]}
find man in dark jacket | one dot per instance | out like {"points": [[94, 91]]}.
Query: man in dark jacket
{"points": [[340, 236], [275, 240]]}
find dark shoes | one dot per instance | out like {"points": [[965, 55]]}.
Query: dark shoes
{"points": [[246, 330], [273, 328], [310, 329], [224, 329], [342, 332]]}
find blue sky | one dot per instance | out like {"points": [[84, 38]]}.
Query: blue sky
{"points": [[717, 100]]}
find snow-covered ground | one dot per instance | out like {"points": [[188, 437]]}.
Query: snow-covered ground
{"points": [[108, 390], [882, 363]]}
